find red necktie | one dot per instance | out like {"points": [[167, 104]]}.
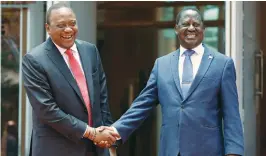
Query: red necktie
{"points": [[81, 81]]}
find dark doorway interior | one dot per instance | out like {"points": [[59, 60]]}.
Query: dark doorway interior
{"points": [[261, 135]]}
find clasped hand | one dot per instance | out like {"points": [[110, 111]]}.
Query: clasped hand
{"points": [[105, 136]]}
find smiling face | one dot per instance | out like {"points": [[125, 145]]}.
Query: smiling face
{"points": [[190, 29], [62, 27]]}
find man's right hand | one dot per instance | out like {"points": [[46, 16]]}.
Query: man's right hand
{"points": [[104, 143], [103, 135]]}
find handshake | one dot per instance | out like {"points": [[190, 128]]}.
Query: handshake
{"points": [[102, 136]]}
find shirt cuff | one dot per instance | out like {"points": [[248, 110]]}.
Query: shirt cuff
{"points": [[85, 131]]}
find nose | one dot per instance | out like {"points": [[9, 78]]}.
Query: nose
{"points": [[67, 29], [191, 27]]}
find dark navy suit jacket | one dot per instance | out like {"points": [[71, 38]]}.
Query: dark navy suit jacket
{"points": [[204, 123], [59, 112]]}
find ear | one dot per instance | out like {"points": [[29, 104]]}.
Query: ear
{"points": [[47, 27], [177, 29], [203, 26]]}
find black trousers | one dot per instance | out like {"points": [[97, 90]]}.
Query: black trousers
{"points": [[91, 154]]}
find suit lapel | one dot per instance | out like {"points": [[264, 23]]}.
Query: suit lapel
{"points": [[54, 54], [86, 61], [175, 70], [203, 68]]}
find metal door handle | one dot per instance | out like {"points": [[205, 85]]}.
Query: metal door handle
{"points": [[259, 90], [261, 72]]}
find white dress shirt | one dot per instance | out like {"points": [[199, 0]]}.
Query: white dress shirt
{"points": [[75, 54], [195, 59]]}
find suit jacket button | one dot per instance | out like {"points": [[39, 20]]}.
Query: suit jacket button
{"points": [[182, 106]]}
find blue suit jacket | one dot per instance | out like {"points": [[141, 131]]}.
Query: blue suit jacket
{"points": [[204, 123], [59, 112]]}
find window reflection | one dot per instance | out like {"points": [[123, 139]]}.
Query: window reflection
{"points": [[211, 37], [211, 12], [167, 41], [214, 38], [191, 6], [10, 31], [165, 14]]}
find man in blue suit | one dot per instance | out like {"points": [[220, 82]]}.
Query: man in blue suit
{"points": [[196, 88]]}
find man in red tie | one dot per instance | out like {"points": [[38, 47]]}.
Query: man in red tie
{"points": [[66, 85]]}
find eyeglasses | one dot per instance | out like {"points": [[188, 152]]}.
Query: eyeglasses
{"points": [[63, 26]]}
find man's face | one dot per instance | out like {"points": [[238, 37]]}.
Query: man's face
{"points": [[63, 27], [190, 29]]}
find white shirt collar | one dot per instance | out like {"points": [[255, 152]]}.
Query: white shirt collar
{"points": [[63, 50], [198, 50]]}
